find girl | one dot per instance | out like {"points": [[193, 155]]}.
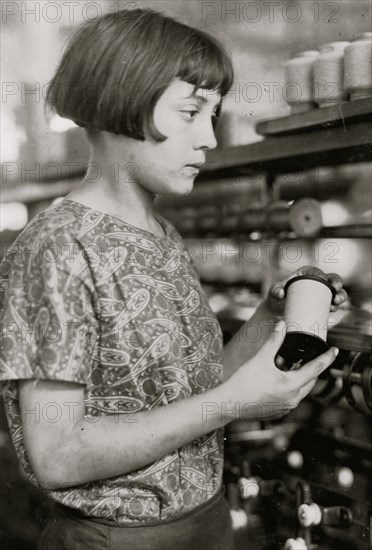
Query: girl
{"points": [[117, 384]]}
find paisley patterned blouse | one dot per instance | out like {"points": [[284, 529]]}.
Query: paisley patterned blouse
{"points": [[88, 298]]}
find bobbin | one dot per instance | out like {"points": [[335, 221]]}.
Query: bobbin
{"points": [[358, 71], [299, 72], [328, 77], [301, 346], [305, 217]]}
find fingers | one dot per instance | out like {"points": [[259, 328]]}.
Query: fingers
{"points": [[340, 297], [279, 362], [311, 370], [310, 270], [277, 291], [335, 280], [305, 390]]}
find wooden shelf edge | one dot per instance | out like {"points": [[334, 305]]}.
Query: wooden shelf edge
{"points": [[288, 153], [318, 117]]}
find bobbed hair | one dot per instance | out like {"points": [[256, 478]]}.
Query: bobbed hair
{"points": [[116, 67]]}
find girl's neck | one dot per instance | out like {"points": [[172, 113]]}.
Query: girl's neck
{"points": [[110, 184], [134, 206]]}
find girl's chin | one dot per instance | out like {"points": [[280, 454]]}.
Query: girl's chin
{"points": [[183, 186]]}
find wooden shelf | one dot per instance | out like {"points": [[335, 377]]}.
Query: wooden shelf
{"points": [[337, 115], [291, 153], [323, 137]]}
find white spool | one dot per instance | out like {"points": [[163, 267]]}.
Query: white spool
{"points": [[299, 70], [328, 77], [345, 477], [248, 488], [295, 460], [306, 316], [295, 544], [307, 306], [358, 67], [305, 217], [309, 514], [239, 519]]}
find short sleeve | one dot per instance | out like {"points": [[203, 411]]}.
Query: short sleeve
{"points": [[48, 321]]}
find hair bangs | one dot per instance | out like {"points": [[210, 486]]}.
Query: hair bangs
{"points": [[206, 65]]}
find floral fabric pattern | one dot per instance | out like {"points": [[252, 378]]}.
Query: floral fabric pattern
{"points": [[88, 298]]}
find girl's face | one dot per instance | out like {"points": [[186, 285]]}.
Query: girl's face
{"points": [[186, 119]]}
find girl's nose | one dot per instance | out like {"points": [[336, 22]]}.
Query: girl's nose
{"points": [[204, 135]]}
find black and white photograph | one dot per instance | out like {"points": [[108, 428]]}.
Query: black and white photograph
{"points": [[186, 275]]}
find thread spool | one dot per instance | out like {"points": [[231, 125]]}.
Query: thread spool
{"points": [[295, 544], [299, 70], [309, 514], [328, 83], [305, 217], [306, 316], [358, 67]]}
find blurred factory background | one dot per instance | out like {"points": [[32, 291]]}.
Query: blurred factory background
{"points": [[273, 197]]}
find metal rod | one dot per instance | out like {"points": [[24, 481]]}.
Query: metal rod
{"points": [[355, 377]]}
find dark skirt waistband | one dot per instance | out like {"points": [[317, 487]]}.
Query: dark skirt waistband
{"points": [[61, 510], [207, 527]]}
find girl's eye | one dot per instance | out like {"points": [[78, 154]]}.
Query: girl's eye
{"points": [[189, 115]]}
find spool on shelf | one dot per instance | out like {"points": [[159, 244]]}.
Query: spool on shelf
{"points": [[358, 67], [299, 71], [303, 217], [340, 71], [328, 84]]}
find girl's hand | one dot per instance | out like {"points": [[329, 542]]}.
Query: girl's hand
{"points": [[275, 299], [259, 390]]}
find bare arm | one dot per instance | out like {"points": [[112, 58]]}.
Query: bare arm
{"points": [[65, 448], [248, 340]]}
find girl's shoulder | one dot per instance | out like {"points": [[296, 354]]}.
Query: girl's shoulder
{"points": [[54, 236]]}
